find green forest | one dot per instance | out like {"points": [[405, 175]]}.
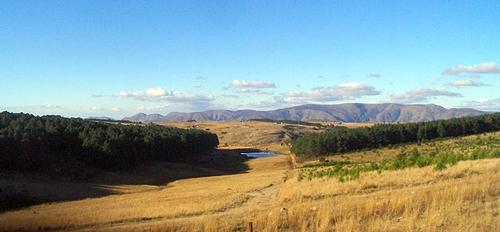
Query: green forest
{"points": [[341, 139], [34, 143]]}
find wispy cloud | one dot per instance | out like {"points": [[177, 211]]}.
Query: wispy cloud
{"points": [[274, 103], [484, 104], [255, 91], [230, 95], [148, 93], [157, 108], [176, 97], [103, 109], [47, 107], [466, 83], [251, 87], [345, 91], [483, 68], [422, 95], [252, 84], [50, 107], [375, 75]]}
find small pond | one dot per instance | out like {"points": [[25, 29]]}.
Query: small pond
{"points": [[260, 154]]}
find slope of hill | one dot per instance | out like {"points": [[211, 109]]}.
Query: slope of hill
{"points": [[350, 112], [274, 196]]}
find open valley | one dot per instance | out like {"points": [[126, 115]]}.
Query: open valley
{"points": [[226, 191]]}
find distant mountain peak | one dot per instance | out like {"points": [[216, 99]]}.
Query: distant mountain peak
{"points": [[346, 112]]}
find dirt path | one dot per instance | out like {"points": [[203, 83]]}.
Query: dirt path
{"points": [[194, 198]]}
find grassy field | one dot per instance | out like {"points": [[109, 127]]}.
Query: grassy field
{"points": [[228, 192], [259, 135], [439, 154]]}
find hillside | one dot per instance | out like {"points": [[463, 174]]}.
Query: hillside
{"points": [[273, 196], [351, 112]]}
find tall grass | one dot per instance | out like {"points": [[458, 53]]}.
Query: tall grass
{"points": [[438, 154]]}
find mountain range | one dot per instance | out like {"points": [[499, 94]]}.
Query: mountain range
{"points": [[349, 112]]}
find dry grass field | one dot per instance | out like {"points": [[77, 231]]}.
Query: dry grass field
{"points": [[259, 135], [228, 194], [462, 198], [187, 198]]}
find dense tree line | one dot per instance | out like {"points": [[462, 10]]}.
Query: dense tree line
{"points": [[342, 139], [30, 142]]}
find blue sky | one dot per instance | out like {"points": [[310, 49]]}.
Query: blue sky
{"points": [[117, 58]]}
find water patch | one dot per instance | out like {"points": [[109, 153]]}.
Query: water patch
{"points": [[259, 154]]}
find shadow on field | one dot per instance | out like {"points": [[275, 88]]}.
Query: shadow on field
{"points": [[22, 190]]}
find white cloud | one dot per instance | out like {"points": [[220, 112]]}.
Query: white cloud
{"points": [[344, 91], [254, 91], [153, 108], [97, 108], [50, 107], [159, 94], [484, 104], [275, 103], [465, 83], [354, 86], [251, 87], [422, 95], [252, 84], [192, 100], [155, 92], [148, 93], [100, 109], [483, 68], [374, 75], [185, 97], [230, 96]]}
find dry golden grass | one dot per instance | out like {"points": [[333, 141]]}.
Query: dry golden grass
{"points": [[463, 197], [259, 135], [144, 178], [182, 198]]}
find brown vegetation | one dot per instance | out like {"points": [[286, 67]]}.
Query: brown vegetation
{"points": [[259, 135], [267, 193]]}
